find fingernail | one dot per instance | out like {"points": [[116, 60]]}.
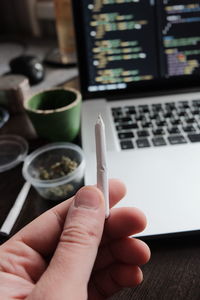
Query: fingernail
{"points": [[88, 198]]}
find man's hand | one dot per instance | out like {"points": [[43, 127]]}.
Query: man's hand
{"points": [[71, 252]]}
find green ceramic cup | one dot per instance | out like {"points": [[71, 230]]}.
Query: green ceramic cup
{"points": [[55, 113]]}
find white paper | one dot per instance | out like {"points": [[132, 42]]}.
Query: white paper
{"points": [[15, 210], [102, 177]]}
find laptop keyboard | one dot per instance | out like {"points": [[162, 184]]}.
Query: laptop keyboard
{"points": [[142, 126]]}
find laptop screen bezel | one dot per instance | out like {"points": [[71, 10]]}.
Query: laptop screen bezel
{"points": [[157, 86]]}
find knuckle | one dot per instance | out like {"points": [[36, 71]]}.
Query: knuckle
{"points": [[81, 236]]}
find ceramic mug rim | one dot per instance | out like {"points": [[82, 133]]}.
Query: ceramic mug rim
{"points": [[60, 109]]}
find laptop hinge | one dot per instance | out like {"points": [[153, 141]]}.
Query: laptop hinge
{"points": [[153, 93]]}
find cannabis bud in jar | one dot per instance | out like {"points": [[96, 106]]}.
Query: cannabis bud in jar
{"points": [[56, 170]]}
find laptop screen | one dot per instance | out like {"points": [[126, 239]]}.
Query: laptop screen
{"points": [[131, 46]]}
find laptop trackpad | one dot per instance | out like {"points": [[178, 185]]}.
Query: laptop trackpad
{"points": [[163, 182]]}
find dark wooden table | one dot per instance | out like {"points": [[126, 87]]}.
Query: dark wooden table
{"points": [[174, 269]]}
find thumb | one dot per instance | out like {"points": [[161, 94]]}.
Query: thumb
{"points": [[72, 263]]}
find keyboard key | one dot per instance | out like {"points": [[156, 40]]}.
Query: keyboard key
{"points": [[139, 117], [126, 145], [146, 124], [195, 111], [116, 109], [158, 131], [177, 139], [170, 105], [131, 110], [156, 107], [181, 113], [190, 120], [122, 120], [175, 121], [196, 103], [194, 138], [159, 141], [153, 116], [125, 135], [117, 112], [189, 128], [184, 104], [143, 143], [160, 123], [126, 126], [143, 108], [142, 133], [173, 130], [167, 114]]}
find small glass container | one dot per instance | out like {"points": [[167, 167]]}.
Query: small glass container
{"points": [[13, 150], [46, 167]]}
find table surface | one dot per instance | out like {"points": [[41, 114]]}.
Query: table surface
{"points": [[174, 269]]}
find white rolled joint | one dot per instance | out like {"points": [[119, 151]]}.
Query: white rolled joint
{"points": [[101, 159]]}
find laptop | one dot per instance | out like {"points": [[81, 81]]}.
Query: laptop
{"points": [[139, 66]]}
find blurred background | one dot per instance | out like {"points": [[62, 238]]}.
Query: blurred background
{"points": [[28, 17], [44, 29], [51, 19]]}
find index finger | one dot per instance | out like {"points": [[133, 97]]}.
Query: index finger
{"points": [[124, 221], [43, 233]]}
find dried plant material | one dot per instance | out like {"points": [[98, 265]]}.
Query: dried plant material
{"points": [[59, 192], [58, 169]]}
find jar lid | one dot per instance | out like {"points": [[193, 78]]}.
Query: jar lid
{"points": [[13, 150]]}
